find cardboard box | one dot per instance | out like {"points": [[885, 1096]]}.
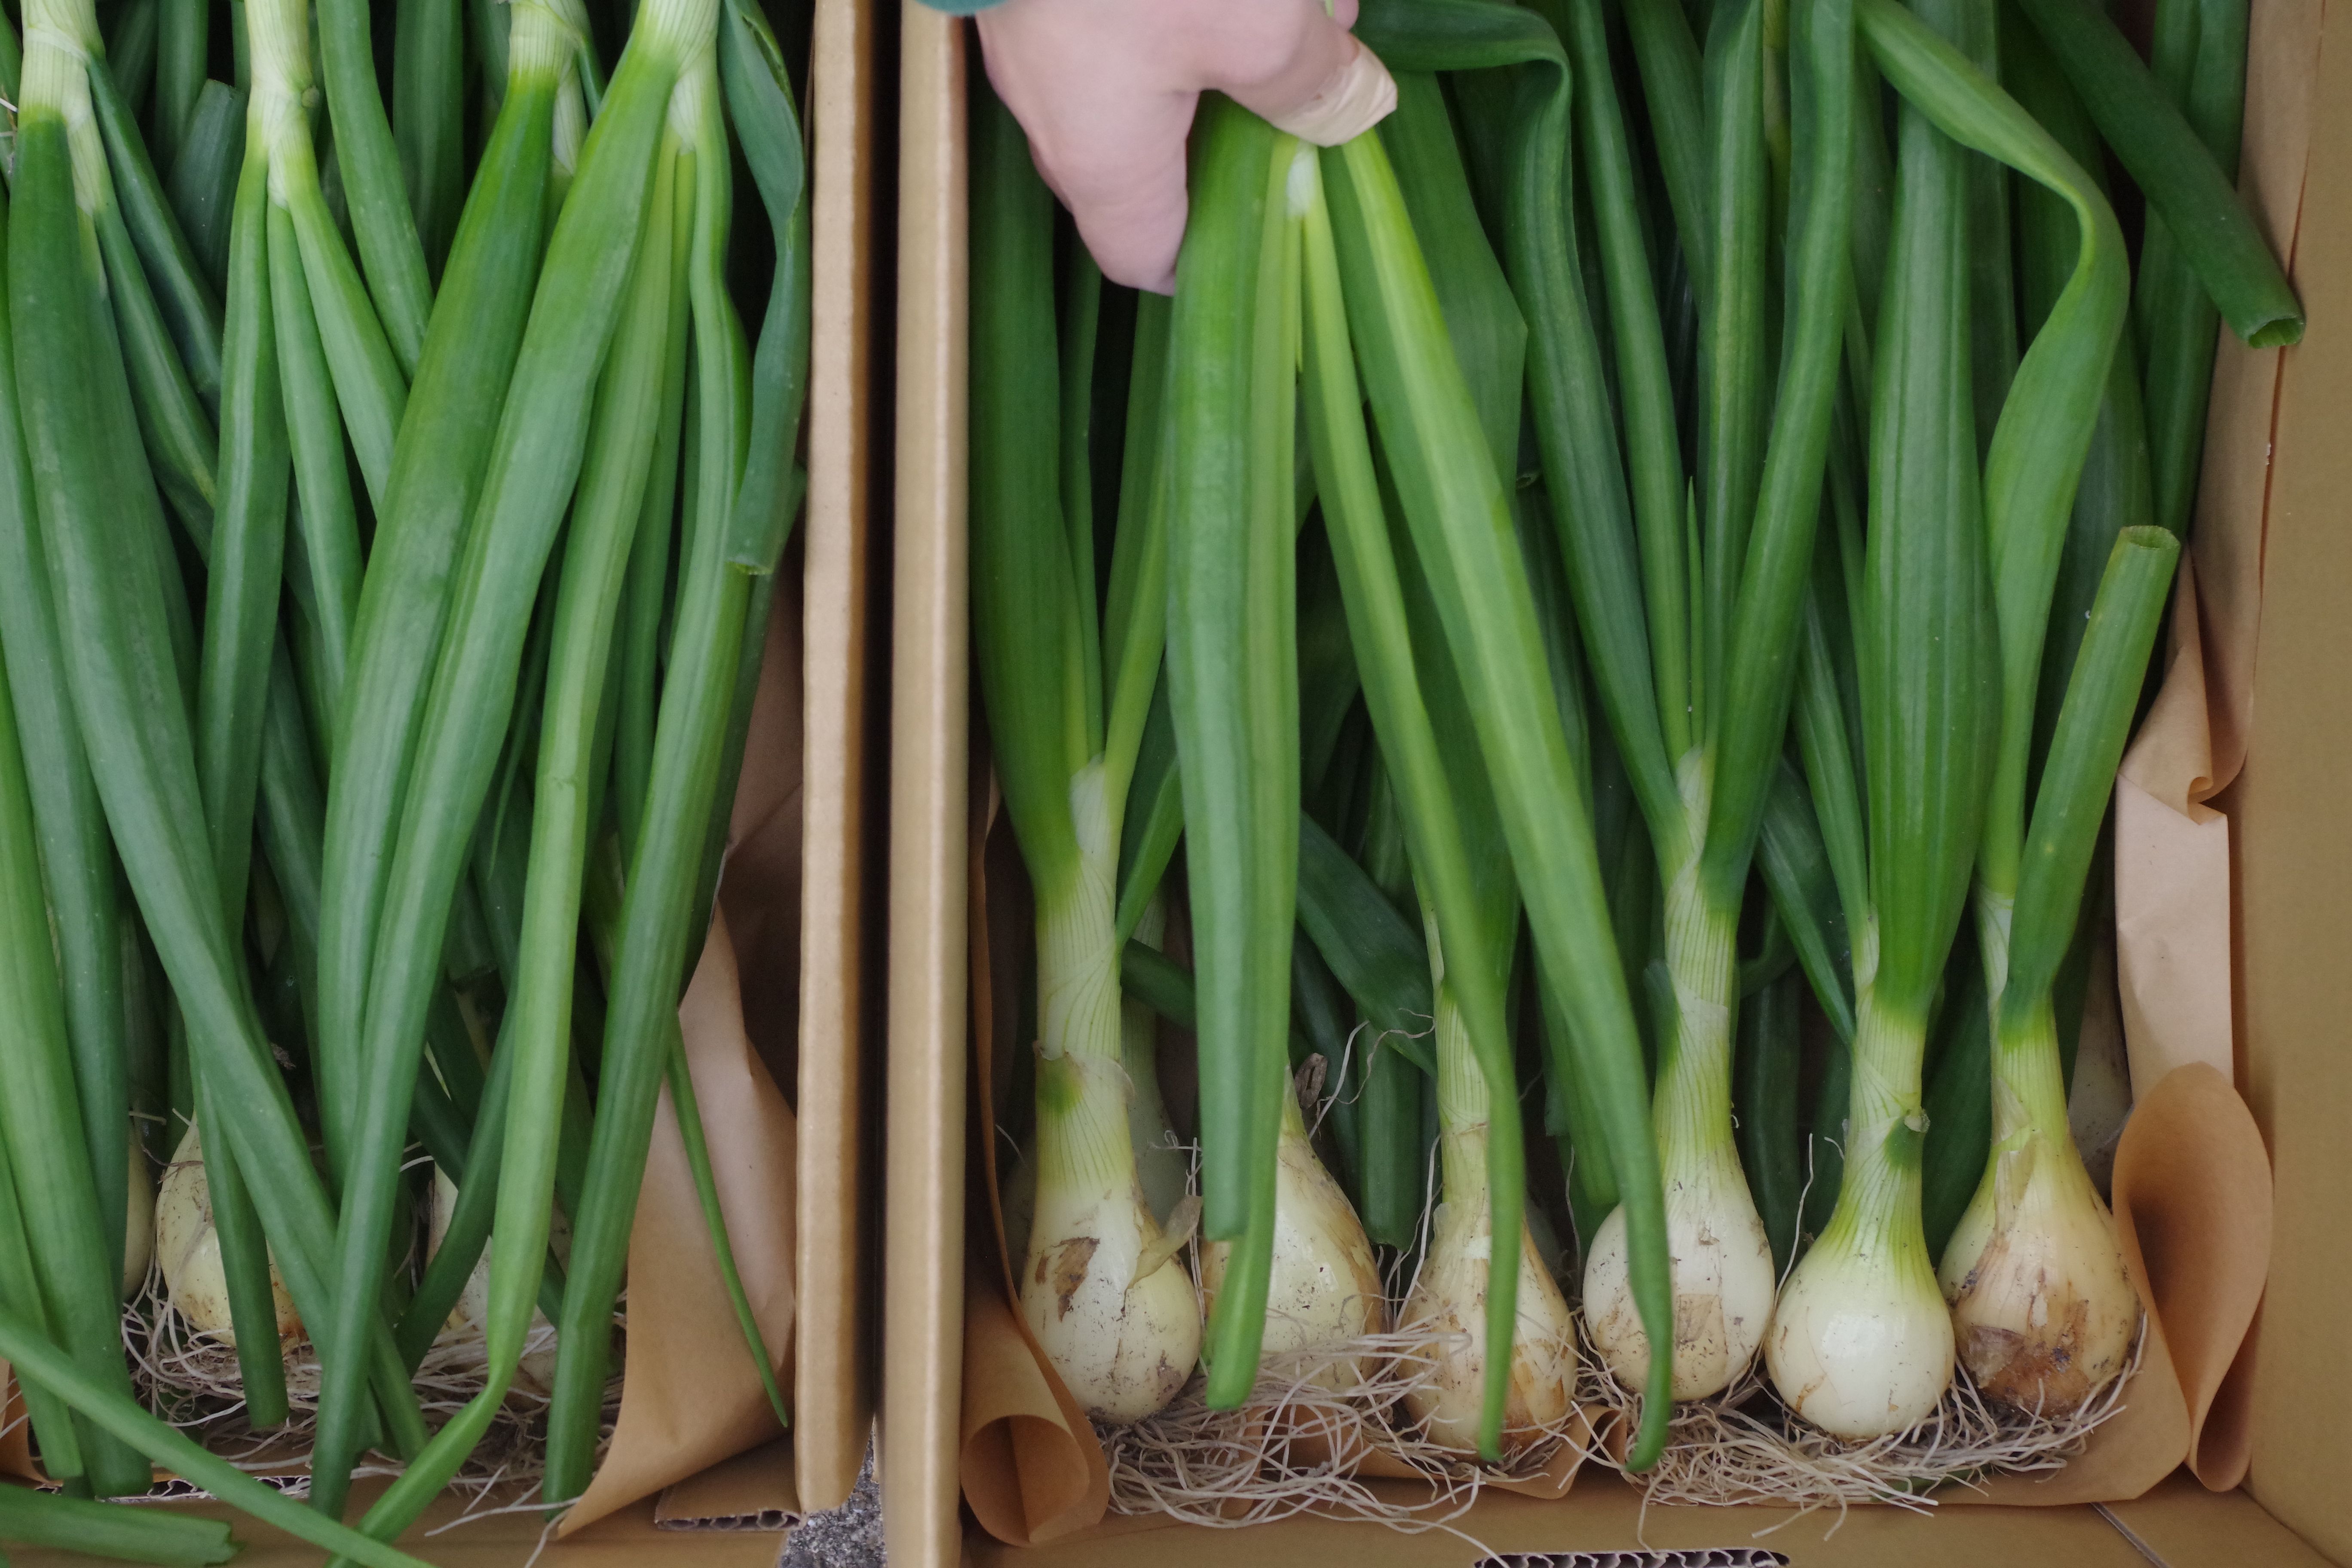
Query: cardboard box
{"points": [[722, 1486], [2239, 889]]}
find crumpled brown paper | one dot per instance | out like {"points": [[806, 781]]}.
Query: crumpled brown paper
{"points": [[690, 1396]]}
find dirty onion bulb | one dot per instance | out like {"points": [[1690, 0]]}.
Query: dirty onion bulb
{"points": [[2044, 1311], [1447, 1304], [188, 1247], [1325, 1289], [1103, 1288], [468, 1321], [1721, 1258]]}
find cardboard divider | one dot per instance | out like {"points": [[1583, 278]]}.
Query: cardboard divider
{"points": [[2194, 1179], [923, 1323]]}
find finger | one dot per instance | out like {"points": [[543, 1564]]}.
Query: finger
{"points": [[1301, 70], [1107, 133]]}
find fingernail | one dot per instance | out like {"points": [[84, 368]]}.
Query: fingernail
{"points": [[1359, 96]]}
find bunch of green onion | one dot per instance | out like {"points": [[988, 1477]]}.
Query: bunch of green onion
{"points": [[1663, 542], [388, 514]]}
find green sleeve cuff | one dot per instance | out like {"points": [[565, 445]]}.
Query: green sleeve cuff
{"points": [[960, 7]]}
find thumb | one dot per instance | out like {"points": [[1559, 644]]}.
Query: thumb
{"points": [[1312, 78]]}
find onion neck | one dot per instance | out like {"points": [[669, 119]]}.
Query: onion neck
{"points": [[1692, 1106], [1463, 1103], [2029, 1082], [1082, 1079], [1886, 1122], [60, 37]]}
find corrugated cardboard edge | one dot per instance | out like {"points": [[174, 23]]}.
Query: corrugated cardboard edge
{"points": [[923, 1255], [2291, 853], [834, 1403]]}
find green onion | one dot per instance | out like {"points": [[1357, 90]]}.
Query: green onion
{"points": [[75, 854], [78, 421], [1860, 1345], [2200, 65], [1119, 1323], [51, 1188], [428, 122], [100, 1529], [2045, 1312], [368, 164], [1233, 689], [2186, 186], [437, 473], [531, 471], [122, 1418]]}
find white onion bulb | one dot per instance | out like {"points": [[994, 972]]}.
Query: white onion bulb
{"points": [[189, 1248]]}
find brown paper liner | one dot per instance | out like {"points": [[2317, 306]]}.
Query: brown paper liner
{"points": [[15, 1432], [691, 1397]]}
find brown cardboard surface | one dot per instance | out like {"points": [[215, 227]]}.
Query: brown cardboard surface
{"points": [[2181, 1523], [923, 1327], [1606, 1515], [834, 1405], [716, 1499], [2294, 858]]}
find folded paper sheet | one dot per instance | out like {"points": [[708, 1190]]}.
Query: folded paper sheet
{"points": [[690, 1396]]}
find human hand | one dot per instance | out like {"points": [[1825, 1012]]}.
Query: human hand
{"points": [[1106, 89]]}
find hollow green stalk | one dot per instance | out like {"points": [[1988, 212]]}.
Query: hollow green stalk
{"points": [[40, 1131], [621, 441], [428, 119], [77, 857], [125, 1534], [2185, 184], [532, 470], [1860, 1345], [436, 474], [127, 684], [2199, 63], [369, 161]]}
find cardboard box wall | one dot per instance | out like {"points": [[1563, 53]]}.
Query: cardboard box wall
{"points": [[2219, 816], [781, 998]]}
